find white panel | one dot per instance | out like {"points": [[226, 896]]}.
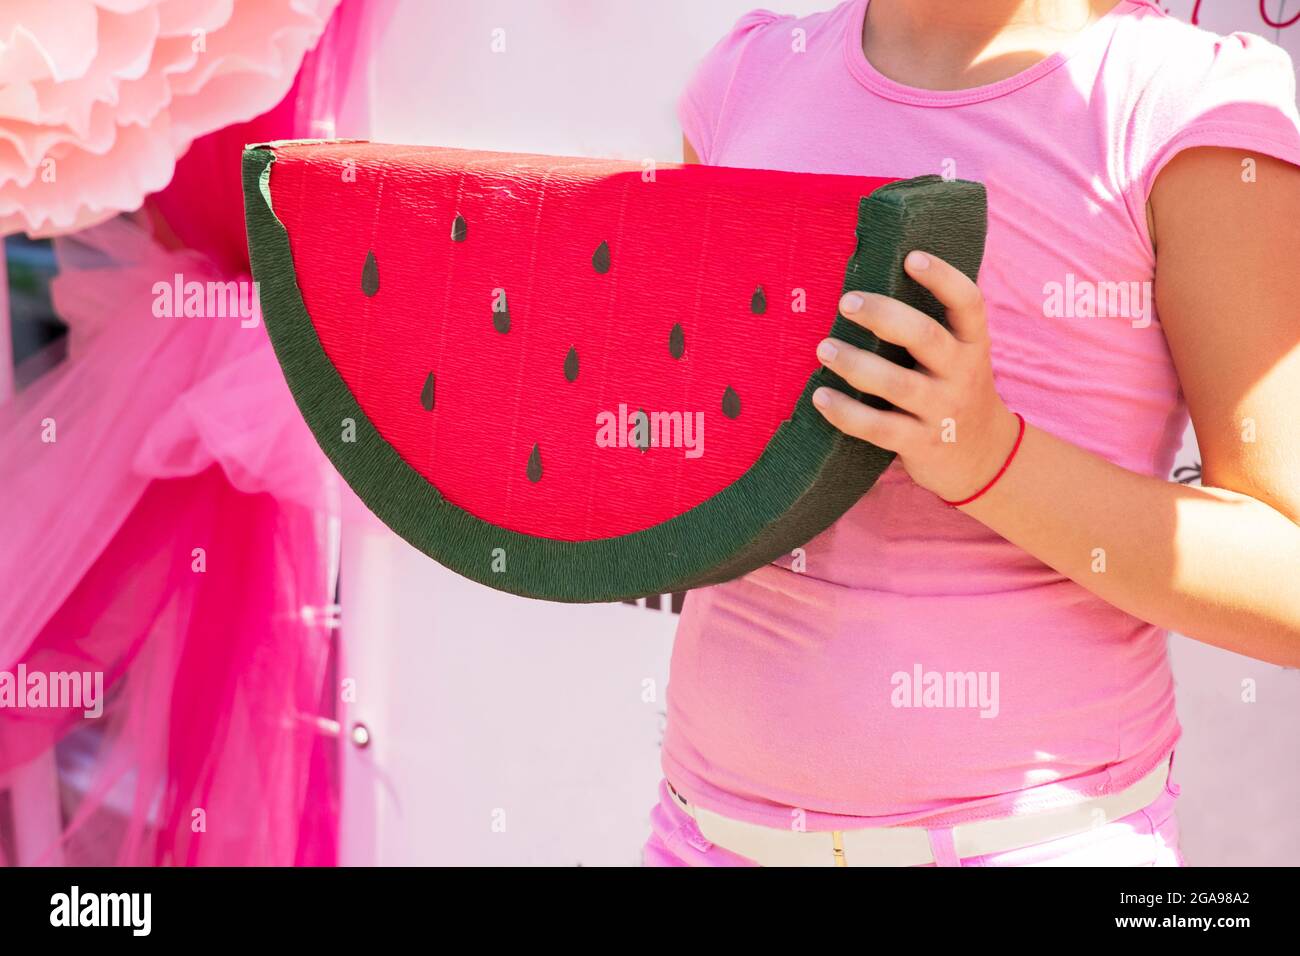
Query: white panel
{"points": [[486, 709]]}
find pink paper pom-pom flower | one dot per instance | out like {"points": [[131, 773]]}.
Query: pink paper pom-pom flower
{"points": [[98, 98]]}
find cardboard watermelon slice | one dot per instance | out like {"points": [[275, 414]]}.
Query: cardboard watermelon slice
{"points": [[576, 379]]}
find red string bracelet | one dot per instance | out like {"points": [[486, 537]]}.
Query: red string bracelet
{"points": [[1001, 471]]}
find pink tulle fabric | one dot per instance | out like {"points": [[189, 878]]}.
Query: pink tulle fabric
{"points": [[173, 435], [98, 98]]}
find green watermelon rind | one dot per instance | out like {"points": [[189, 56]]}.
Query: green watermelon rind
{"points": [[806, 478]]}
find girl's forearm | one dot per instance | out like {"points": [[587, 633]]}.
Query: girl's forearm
{"points": [[1218, 566]]}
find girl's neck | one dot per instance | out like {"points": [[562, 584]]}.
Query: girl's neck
{"points": [[942, 45]]}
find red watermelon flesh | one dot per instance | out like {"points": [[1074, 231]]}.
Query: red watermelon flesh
{"points": [[400, 255]]}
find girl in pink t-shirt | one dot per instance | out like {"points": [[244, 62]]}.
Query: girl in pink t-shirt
{"points": [[1144, 218]]}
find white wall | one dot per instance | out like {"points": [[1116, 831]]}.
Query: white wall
{"points": [[485, 708], [504, 731]]}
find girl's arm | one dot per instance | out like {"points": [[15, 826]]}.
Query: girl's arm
{"points": [[1220, 563]]}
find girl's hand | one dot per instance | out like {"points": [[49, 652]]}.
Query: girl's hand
{"points": [[950, 430]]}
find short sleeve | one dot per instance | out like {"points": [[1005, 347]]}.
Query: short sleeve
{"points": [[1237, 92], [699, 108]]}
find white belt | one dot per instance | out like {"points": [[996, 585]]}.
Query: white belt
{"points": [[910, 845]]}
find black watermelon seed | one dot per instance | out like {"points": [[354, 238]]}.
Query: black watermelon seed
{"points": [[459, 229], [426, 395], [534, 470], [677, 341], [758, 301], [571, 364], [370, 275], [730, 403], [600, 258], [501, 316]]}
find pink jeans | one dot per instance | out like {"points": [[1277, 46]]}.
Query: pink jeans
{"points": [[1148, 837]]}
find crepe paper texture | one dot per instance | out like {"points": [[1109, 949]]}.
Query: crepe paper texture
{"points": [[584, 380]]}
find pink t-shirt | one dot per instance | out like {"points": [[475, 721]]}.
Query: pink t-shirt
{"points": [[912, 664]]}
